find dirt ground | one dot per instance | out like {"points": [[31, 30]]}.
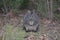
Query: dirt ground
{"points": [[48, 30]]}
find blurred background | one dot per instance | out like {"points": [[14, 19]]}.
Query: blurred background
{"points": [[13, 11]]}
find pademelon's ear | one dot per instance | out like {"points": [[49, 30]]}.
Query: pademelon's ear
{"points": [[28, 11]]}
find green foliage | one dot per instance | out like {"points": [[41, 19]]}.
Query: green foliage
{"points": [[42, 8], [14, 3], [12, 33], [1, 4], [55, 6], [25, 4], [57, 16]]}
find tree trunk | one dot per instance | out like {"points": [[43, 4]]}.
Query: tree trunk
{"points": [[5, 7], [50, 11], [48, 8]]}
